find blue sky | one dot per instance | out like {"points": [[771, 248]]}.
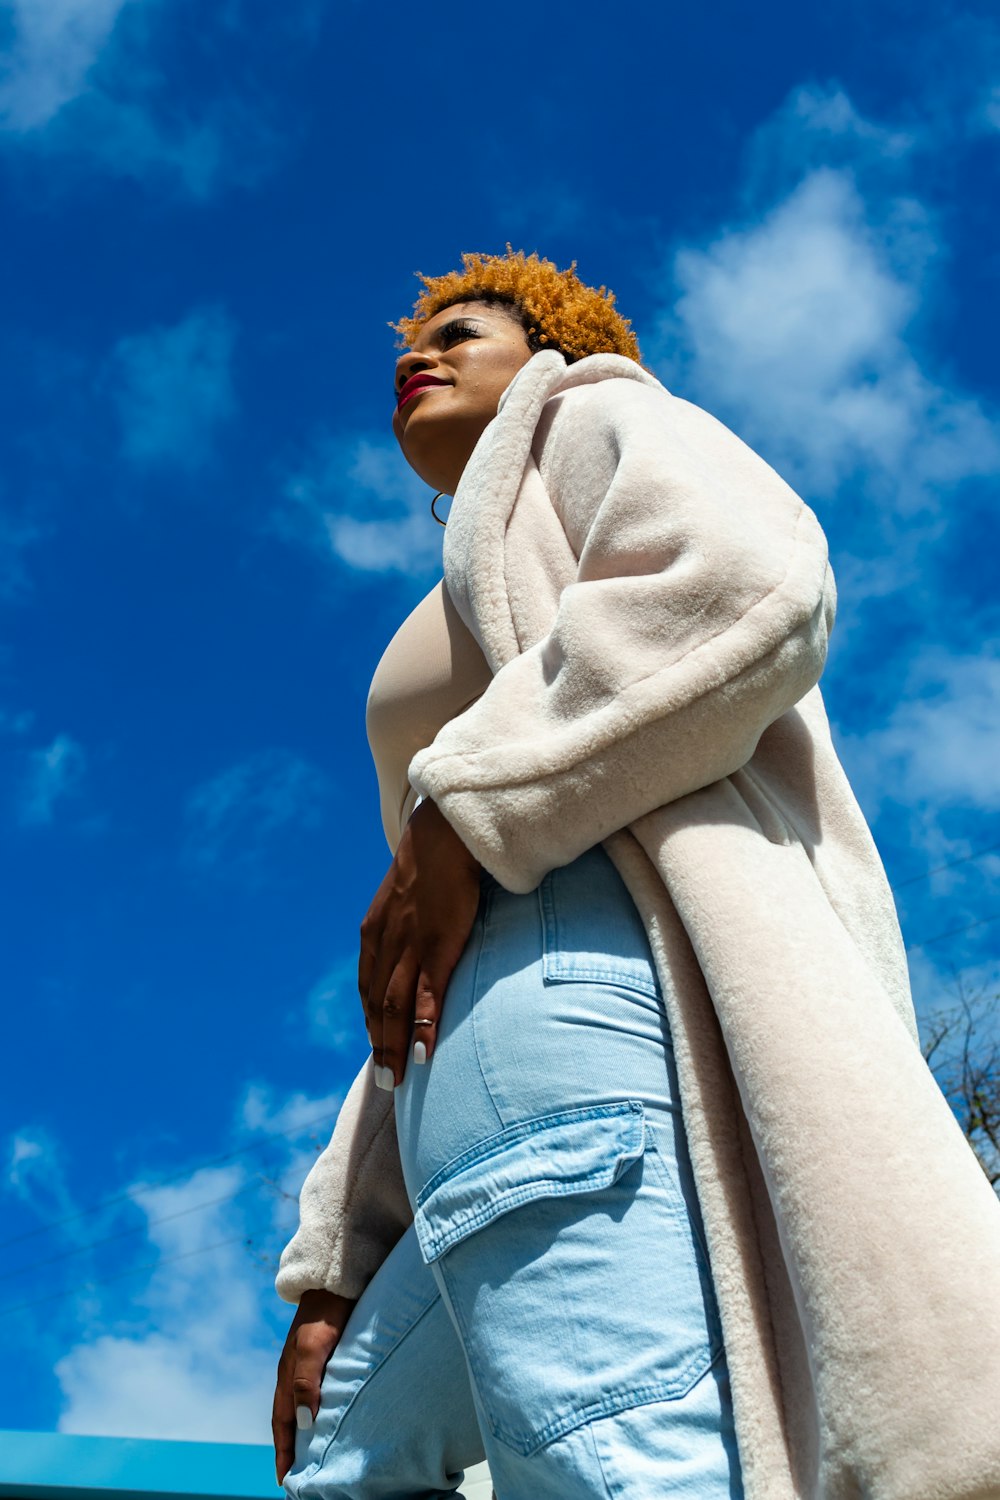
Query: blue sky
{"points": [[206, 538]]}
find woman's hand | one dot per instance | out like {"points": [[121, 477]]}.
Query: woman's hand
{"points": [[312, 1338], [412, 938]]}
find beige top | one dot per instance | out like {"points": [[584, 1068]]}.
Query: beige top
{"points": [[430, 671]]}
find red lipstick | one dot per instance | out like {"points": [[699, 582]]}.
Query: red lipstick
{"points": [[414, 386]]}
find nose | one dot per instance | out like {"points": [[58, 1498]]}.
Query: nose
{"points": [[409, 364]]}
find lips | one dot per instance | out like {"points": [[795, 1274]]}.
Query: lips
{"points": [[414, 386]]}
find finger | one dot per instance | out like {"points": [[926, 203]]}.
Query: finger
{"points": [[284, 1448], [397, 1015], [283, 1421], [366, 963], [375, 1003], [367, 953], [371, 937], [315, 1344], [375, 966], [426, 1014], [432, 986]]}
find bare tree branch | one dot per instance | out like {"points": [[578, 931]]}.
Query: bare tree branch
{"points": [[962, 1048]]}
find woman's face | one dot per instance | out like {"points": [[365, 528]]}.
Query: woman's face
{"points": [[448, 385]]}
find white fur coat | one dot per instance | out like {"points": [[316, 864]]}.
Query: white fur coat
{"points": [[655, 603]]}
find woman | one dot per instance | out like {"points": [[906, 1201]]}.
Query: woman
{"points": [[662, 1199]]}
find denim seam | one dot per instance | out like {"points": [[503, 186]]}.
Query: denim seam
{"points": [[661, 1166], [678, 1385], [561, 972], [591, 1438], [550, 925], [666, 1175], [596, 1446], [486, 912], [360, 1384], [514, 1134]]}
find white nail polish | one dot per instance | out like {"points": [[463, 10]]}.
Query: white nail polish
{"points": [[384, 1079], [419, 1052], [303, 1418]]}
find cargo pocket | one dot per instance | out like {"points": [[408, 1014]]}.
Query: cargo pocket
{"points": [[573, 1273]]}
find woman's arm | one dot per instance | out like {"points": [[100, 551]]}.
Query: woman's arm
{"points": [[353, 1208], [353, 1205], [700, 613]]}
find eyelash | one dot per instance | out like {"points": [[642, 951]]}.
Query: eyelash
{"points": [[455, 332]]}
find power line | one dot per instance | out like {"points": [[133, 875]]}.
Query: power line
{"points": [[86, 1286], [119, 1234], [963, 859], [127, 1197], [953, 932]]}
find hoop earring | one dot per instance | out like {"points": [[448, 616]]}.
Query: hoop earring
{"points": [[437, 497]]}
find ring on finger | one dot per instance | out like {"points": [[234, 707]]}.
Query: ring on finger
{"points": [[423, 1023]]}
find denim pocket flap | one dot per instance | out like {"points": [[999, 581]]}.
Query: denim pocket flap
{"points": [[574, 1151]]}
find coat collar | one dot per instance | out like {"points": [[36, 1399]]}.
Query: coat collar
{"points": [[485, 497]]}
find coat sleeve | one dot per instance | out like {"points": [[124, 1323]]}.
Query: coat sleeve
{"points": [[353, 1206], [699, 613]]}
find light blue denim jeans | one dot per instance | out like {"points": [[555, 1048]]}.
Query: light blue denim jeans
{"points": [[551, 1306]]}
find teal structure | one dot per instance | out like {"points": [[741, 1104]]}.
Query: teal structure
{"points": [[58, 1466]]}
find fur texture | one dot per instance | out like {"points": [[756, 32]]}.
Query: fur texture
{"points": [[353, 1205], [655, 603]]}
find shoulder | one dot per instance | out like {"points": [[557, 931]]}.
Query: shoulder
{"points": [[616, 417], [596, 409], [634, 440], [583, 430], [637, 423]]}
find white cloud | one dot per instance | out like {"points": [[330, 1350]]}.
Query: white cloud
{"points": [[15, 721], [201, 1368], [830, 113], [55, 44], [230, 818], [821, 127], [937, 984], [53, 774], [173, 1385], [125, 138], [305, 1122], [333, 1007], [940, 747], [16, 536], [299, 1115], [991, 108], [191, 1353], [807, 325], [360, 502], [34, 1172], [173, 389], [79, 80], [794, 328]]}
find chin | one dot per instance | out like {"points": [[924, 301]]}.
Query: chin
{"points": [[418, 462], [419, 449]]}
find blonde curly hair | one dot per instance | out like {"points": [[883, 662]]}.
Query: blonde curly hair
{"points": [[557, 310]]}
